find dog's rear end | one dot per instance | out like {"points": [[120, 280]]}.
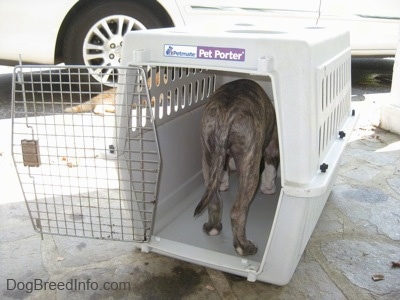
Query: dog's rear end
{"points": [[239, 122]]}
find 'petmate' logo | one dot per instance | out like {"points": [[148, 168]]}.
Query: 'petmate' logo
{"points": [[180, 51], [205, 52]]}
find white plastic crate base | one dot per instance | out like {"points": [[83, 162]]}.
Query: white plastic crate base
{"points": [[307, 74]]}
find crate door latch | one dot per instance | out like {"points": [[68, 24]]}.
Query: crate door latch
{"points": [[30, 153]]}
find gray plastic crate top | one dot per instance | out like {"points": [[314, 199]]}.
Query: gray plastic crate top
{"points": [[239, 48], [306, 72], [308, 68]]}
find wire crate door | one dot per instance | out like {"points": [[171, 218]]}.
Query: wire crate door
{"points": [[77, 173]]}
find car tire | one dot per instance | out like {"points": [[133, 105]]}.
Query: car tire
{"points": [[94, 37]]}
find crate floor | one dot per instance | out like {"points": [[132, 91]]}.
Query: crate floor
{"points": [[186, 229]]}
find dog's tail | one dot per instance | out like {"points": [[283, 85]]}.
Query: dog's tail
{"points": [[217, 167]]}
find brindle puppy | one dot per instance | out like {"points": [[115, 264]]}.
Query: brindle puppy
{"points": [[239, 122]]}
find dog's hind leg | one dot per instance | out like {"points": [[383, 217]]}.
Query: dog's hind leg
{"points": [[211, 198], [224, 185], [214, 225], [248, 172], [271, 158]]}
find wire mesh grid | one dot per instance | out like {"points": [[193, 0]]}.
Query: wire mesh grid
{"points": [[73, 174]]}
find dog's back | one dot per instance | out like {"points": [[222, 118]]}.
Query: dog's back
{"points": [[237, 103]]}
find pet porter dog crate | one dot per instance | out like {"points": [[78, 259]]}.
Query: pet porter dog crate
{"points": [[307, 74], [136, 175]]}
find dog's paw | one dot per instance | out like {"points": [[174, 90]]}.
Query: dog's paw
{"points": [[224, 186], [268, 190], [212, 229], [248, 249]]}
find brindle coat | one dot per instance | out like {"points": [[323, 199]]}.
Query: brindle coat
{"points": [[239, 122]]}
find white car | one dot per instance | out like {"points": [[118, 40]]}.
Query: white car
{"points": [[90, 32]]}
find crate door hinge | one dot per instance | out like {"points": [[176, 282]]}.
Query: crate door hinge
{"points": [[30, 153]]}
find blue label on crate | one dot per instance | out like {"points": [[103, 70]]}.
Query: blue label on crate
{"points": [[205, 52]]}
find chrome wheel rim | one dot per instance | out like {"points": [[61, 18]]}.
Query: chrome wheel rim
{"points": [[103, 44]]}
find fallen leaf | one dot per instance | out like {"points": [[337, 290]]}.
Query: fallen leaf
{"points": [[377, 277], [395, 264], [72, 162]]}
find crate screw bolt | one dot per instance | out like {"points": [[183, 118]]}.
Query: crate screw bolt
{"points": [[323, 167]]}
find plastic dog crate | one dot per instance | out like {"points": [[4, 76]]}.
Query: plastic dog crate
{"points": [[136, 175], [307, 74]]}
